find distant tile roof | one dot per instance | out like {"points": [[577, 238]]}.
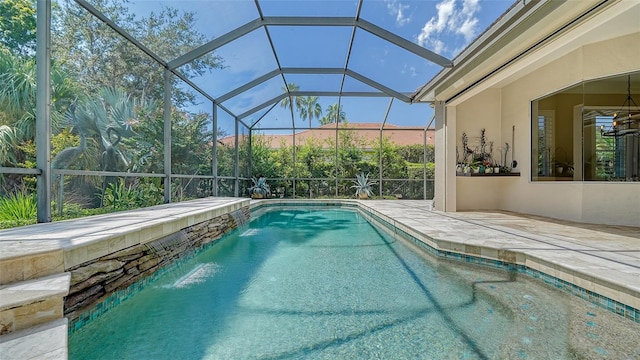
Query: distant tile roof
{"points": [[369, 132]]}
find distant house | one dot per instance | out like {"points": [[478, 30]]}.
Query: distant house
{"points": [[368, 132]]}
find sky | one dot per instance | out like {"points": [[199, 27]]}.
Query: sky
{"points": [[444, 27]]}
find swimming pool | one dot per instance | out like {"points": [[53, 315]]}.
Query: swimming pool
{"points": [[325, 284]]}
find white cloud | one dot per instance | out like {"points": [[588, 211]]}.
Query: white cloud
{"points": [[454, 17], [411, 70], [398, 10]]}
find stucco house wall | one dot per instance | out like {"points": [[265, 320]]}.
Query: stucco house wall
{"points": [[500, 108]]}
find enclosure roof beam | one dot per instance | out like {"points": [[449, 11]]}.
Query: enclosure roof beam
{"points": [[263, 115], [206, 95], [215, 43], [404, 43], [274, 73], [386, 114], [338, 93], [384, 89], [308, 21], [312, 93], [293, 21], [312, 70], [263, 105], [249, 85], [194, 86]]}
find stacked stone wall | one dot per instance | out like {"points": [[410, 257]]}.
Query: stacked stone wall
{"points": [[93, 281]]}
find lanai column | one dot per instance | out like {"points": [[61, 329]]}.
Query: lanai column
{"points": [[445, 154], [167, 136], [214, 164], [43, 109]]}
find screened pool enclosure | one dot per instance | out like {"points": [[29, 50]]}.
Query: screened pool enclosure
{"points": [[141, 103]]}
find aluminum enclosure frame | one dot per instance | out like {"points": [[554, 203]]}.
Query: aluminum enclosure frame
{"points": [[44, 172]]}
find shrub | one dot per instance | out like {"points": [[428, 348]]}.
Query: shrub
{"points": [[120, 196], [18, 207]]}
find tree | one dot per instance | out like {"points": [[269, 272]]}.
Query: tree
{"points": [[18, 26], [263, 161], [103, 59], [416, 153], [309, 108], [18, 93], [394, 165], [333, 113], [286, 102]]}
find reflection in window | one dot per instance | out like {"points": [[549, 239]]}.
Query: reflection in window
{"points": [[568, 142], [608, 165], [545, 142]]}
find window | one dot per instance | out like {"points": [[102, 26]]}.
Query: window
{"points": [[567, 142], [545, 142], [606, 165]]}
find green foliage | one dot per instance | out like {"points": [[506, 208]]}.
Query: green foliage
{"points": [[394, 165], [145, 150], [363, 185], [309, 108], [351, 156], [17, 88], [8, 224], [416, 171], [333, 113], [89, 47], [8, 143], [415, 153], [191, 143], [18, 206], [264, 158], [18, 93], [141, 193], [73, 211], [286, 102], [18, 26], [260, 187], [314, 159]]}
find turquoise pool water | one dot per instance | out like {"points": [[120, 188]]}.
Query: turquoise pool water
{"points": [[325, 284]]}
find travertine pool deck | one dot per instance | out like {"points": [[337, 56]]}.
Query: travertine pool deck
{"points": [[598, 258]]}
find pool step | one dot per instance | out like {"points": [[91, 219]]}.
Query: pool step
{"points": [[33, 302], [44, 341]]}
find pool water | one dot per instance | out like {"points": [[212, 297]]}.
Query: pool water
{"points": [[325, 284]]}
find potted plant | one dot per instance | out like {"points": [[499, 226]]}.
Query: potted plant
{"points": [[260, 188], [363, 186]]}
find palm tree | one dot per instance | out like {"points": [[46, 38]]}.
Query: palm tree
{"points": [[309, 108], [333, 113], [18, 93], [286, 102], [8, 143]]}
